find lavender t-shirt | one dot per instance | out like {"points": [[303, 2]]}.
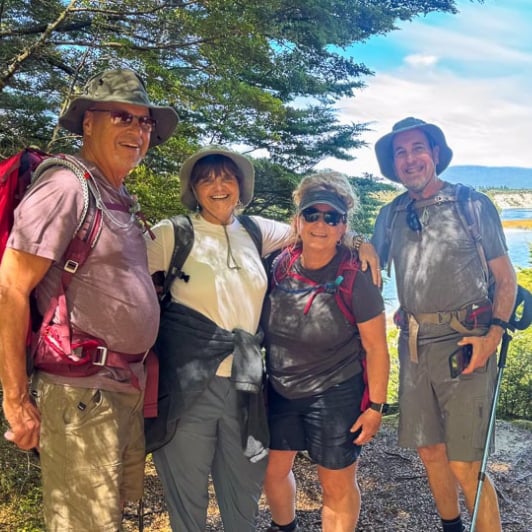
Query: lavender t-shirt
{"points": [[112, 295]]}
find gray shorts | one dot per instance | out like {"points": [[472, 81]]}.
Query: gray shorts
{"points": [[434, 408]]}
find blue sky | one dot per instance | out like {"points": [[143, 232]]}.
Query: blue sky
{"points": [[469, 73]]}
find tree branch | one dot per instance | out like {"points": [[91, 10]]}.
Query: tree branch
{"points": [[37, 45]]}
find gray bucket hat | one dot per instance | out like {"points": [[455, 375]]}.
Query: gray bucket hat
{"points": [[122, 86], [245, 166], [384, 146]]}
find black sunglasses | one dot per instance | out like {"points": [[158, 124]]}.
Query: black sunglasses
{"points": [[125, 119], [311, 215], [412, 219]]}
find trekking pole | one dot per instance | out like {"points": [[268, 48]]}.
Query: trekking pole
{"points": [[523, 307]]}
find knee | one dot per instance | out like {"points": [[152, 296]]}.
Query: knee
{"points": [[433, 453], [337, 487], [465, 471], [279, 467]]}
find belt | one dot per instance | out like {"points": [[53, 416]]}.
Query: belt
{"points": [[453, 317]]}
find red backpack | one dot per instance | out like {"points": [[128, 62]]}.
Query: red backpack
{"points": [[16, 175], [15, 178], [342, 287]]}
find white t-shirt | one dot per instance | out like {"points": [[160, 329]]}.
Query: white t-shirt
{"points": [[227, 279]]}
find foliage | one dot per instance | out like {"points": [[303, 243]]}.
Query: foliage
{"points": [[393, 383], [516, 387], [260, 75], [370, 197], [20, 494]]}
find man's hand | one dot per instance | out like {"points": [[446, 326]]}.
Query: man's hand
{"points": [[483, 348], [368, 257], [24, 423]]}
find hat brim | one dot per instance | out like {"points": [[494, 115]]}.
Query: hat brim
{"points": [[384, 149], [245, 166], [317, 198], [166, 118]]}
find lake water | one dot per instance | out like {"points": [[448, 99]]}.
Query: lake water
{"points": [[518, 241]]}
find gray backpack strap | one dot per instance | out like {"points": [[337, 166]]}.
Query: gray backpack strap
{"points": [[253, 229], [398, 204], [469, 218]]}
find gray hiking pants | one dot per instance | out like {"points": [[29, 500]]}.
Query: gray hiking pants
{"points": [[208, 440]]}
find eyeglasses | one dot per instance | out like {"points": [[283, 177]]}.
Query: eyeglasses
{"points": [[412, 219], [125, 119], [333, 218]]}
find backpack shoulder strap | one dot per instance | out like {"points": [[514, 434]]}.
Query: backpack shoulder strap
{"points": [[348, 270], [398, 204], [253, 229], [183, 241], [91, 220], [84, 176], [469, 218]]}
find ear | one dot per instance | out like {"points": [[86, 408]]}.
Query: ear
{"points": [[343, 231], [87, 123], [436, 155]]}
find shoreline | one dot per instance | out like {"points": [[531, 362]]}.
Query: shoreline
{"points": [[518, 224]]}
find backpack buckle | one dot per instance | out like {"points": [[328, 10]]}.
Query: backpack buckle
{"points": [[71, 266], [100, 358]]}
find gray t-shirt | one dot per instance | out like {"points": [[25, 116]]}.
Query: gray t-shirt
{"points": [[439, 268], [310, 344], [112, 295]]}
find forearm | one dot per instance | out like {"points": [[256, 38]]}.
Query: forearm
{"points": [[14, 309], [378, 369], [504, 296], [373, 335]]}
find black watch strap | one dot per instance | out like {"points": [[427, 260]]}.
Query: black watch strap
{"points": [[504, 325], [381, 408]]}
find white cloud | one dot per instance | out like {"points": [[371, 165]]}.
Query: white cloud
{"points": [[471, 78], [415, 60], [483, 123]]}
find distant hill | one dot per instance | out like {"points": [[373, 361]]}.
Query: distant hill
{"points": [[510, 177]]}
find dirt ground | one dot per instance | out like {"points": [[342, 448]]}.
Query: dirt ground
{"points": [[395, 494]]}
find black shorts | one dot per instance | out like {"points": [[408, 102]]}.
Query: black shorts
{"points": [[319, 424]]}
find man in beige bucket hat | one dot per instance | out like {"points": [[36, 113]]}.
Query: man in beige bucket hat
{"points": [[86, 421]]}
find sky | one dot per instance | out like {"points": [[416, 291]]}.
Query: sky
{"points": [[469, 73]]}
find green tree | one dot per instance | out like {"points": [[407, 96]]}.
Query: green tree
{"points": [[234, 69]]}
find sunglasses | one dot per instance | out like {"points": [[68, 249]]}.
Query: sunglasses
{"points": [[412, 219], [333, 218], [125, 119]]}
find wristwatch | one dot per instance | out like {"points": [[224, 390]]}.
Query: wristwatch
{"points": [[381, 408], [504, 325]]}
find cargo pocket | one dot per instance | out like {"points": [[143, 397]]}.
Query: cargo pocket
{"points": [[480, 419]]}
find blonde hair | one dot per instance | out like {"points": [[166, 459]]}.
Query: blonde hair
{"points": [[331, 181]]}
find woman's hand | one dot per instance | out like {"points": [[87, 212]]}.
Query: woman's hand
{"points": [[368, 424]]}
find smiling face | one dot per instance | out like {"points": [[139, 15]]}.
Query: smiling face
{"points": [[415, 161], [319, 237], [115, 149], [217, 191]]}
